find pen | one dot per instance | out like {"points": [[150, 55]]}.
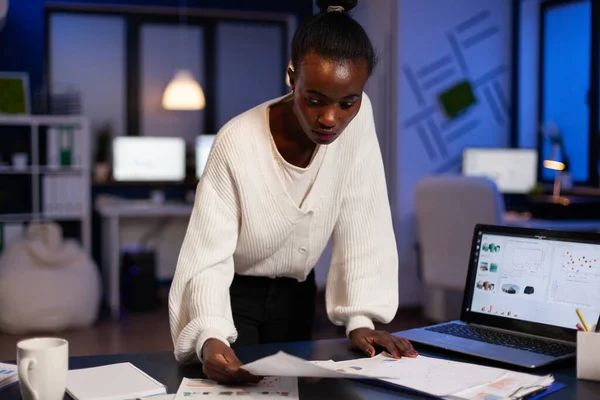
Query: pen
{"points": [[579, 327], [585, 325], [598, 325]]}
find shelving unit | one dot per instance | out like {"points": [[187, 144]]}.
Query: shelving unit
{"points": [[38, 171]]}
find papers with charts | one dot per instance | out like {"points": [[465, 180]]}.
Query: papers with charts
{"points": [[282, 364], [443, 378], [437, 377], [267, 388]]}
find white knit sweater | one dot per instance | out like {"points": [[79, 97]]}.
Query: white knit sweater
{"points": [[245, 222]]}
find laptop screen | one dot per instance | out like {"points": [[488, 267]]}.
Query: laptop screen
{"points": [[535, 277]]}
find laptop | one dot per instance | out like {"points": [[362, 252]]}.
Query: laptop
{"points": [[522, 291]]}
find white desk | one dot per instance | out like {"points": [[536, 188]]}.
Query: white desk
{"points": [[514, 219], [112, 211]]}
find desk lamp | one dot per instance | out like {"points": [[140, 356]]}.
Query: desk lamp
{"points": [[553, 162]]}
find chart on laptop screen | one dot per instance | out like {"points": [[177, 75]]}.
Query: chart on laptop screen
{"points": [[537, 280], [578, 276]]}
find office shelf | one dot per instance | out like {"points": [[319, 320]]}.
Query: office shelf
{"points": [[46, 120], [73, 180], [38, 169], [25, 217]]}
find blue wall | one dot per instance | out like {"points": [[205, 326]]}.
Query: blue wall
{"points": [[459, 40], [22, 39]]}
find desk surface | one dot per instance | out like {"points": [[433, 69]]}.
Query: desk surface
{"points": [[142, 208], [516, 219], [163, 367], [111, 207]]}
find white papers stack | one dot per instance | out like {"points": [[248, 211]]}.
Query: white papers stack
{"points": [[282, 364], [436, 377], [443, 378], [267, 388], [8, 375], [112, 382]]}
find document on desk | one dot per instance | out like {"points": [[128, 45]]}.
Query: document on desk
{"points": [[283, 364], [268, 388], [437, 377], [444, 378]]}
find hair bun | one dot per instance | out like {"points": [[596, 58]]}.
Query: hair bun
{"points": [[347, 4]]}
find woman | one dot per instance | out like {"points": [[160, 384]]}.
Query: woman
{"points": [[281, 179]]}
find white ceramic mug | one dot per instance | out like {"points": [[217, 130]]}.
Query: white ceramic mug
{"points": [[43, 364]]}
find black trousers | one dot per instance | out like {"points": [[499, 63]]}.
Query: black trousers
{"points": [[267, 310]]}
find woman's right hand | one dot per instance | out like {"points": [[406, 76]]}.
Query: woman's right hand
{"points": [[221, 364]]}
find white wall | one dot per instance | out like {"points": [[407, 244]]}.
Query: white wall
{"points": [[441, 43]]}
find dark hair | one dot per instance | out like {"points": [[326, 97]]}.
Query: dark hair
{"points": [[333, 35]]}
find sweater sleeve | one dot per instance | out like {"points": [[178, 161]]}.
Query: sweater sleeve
{"points": [[362, 284], [199, 303]]}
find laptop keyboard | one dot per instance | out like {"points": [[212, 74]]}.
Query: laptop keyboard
{"points": [[534, 345]]}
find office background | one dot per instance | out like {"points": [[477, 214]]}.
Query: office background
{"points": [[523, 62]]}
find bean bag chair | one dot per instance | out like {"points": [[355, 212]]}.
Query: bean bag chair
{"points": [[47, 284]]}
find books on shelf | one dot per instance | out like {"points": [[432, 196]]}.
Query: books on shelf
{"points": [[62, 195], [64, 146]]}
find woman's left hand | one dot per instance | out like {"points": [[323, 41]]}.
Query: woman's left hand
{"points": [[365, 339]]}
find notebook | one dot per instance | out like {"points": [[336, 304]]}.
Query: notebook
{"points": [[126, 382], [8, 375]]}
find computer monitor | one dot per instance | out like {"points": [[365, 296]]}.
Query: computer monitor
{"points": [[513, 170], [148, 158], [203, 145]]}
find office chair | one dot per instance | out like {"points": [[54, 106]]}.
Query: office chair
{"points": [[447, 210]]}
